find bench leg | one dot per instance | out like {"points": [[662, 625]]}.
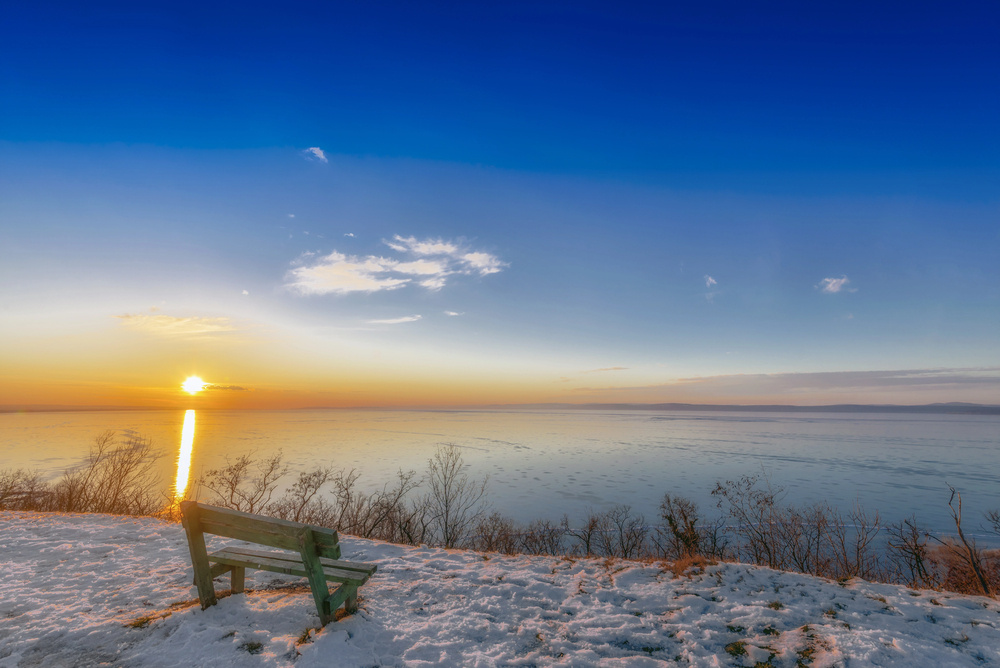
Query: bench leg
{"points": [[351, 604], [237, 578]]}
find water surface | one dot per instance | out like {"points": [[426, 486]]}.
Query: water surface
{"points": [[547, 463]]}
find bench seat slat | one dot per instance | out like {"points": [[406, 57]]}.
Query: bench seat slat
{"points": [[363, 567], [291, 564]]}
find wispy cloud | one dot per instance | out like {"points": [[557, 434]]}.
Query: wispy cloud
{"points": [[453, 313], [428, 263], [227, 388], [426, 247], [315, 153], [176, 327], [349, 234], [709, 281], [608, 368], [396, 321], [834, 285]]}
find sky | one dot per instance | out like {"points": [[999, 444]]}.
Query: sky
{"points": [[456, 204]]}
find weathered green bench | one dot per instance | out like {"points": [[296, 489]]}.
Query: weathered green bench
{"points": [[316, 557]]}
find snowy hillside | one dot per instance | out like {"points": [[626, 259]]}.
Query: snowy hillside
{"points": [[87, 590]]}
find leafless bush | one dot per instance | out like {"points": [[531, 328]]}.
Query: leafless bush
{"points": [[622, 534], [682, 533], [246, 484], [541, 537], [301, 503], [853, 544], [754, 511], [993, 520], [909, 554], [118, 477], [585, 535], [384, 514], [495, 533], [968, 563], [23, 489], [455, 501]]}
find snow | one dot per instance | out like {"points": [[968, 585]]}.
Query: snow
{"points": [[88, 590]]}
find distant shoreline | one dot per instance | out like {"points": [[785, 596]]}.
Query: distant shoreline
{"points": [[954, 408]]}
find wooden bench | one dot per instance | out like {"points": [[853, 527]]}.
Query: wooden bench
{"points": [[316, 557]]}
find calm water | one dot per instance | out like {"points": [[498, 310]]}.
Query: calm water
{"points": [[543, 464]]}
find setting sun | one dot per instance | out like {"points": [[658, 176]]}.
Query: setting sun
{"points": [[193, 385]]}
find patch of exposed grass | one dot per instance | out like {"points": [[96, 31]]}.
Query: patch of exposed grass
{"points": [[252, 647], [737, 648], [776, 605], [771, 631], [735, 629], [144, 621]]}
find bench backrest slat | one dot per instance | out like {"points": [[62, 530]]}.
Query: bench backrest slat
{"points": [[268, 531]]}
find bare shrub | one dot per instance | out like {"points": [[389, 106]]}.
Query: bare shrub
{"points": [[119, 477], [754, 511], [495, 533], [910, 556], [968, 563], [301, 503], [993, 520], [384, 514], [23, 489], [414, 523], [246, 484], [853, 546], [541, 537], [455, 501], [682, 533], [586, 535], [622, 534]]}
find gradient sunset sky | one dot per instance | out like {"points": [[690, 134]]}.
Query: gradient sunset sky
{"points": [[425, 204]]}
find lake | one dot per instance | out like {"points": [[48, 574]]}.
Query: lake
{"points": [[547, 463]]}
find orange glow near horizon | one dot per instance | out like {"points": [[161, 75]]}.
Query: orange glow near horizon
{"points": [[184, 456]]}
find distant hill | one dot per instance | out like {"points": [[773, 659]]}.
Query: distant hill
{"points": [[951, 408]]}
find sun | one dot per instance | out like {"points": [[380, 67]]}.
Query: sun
{"points": [[193, 385]]}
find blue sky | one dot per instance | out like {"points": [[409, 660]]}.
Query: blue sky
{"points": [[580, 201]]}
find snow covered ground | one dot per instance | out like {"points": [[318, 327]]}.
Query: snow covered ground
{"points": [[90, 590]]}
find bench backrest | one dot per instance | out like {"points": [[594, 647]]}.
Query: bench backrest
{"points": [[269, 531]]}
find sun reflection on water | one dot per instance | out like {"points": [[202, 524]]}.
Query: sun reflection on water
{"points": [[184, 456]]}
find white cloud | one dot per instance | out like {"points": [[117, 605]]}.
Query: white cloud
{"points": [[349, 234], [426, 247], [246, 292], [834, 285], [176, 327], [484, 263], [709, 281], [315, 153], [436, 261], [453, 313], [396, 321], [343, 274], [291, 215], [423, 268]]}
